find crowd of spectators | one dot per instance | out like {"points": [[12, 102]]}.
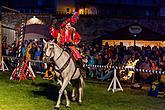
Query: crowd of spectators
{"points": [[116, 55]]}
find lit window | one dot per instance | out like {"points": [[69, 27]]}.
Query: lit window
{"points": [[86, 11], [81, 11]]}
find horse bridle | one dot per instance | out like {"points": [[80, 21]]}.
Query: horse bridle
{"points": [[65, 64], [48, 57], [53, 52]]}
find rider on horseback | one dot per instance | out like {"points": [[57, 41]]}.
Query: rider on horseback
{"points": [[69, 38]]}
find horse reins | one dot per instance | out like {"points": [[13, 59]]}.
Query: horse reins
{"points": [[66, 63]]}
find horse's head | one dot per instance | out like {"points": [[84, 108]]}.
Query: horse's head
{"points": [[48, 51]]}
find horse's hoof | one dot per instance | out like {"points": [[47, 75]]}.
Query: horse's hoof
{"points": [[67, 106], [56, 108], [73, 99], [80, 103]]}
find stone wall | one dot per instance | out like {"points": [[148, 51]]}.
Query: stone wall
{"points": [[91, 27]]}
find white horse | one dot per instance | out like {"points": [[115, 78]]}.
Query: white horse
{"points": [[68, 71]]}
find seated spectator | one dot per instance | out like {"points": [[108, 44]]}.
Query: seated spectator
{"points": [[153, 76], [108, 71]]}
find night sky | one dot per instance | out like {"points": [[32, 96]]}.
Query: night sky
{"points": [[32, 3]]}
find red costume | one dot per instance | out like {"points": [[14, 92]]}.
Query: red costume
{"points": [[68, 35], [54, 32]]}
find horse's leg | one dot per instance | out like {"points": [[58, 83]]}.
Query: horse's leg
{"points": [[81, 87], [73, 93], [73, 82], [65, 93], [64, 84], [67, 99]]}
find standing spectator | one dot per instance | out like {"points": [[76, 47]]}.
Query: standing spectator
{"points": [[91, 62], [28, 53], [37, 56], [33, 50], [99, 71], [23, 52]]}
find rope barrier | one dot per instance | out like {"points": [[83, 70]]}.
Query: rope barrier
{"points": [[10, 57], [34, 61], [130, 69], [103, 66]]}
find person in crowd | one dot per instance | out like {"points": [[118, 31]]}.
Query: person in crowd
{"points": [[152, 76], [98, 61], [28, 53], [91, 61], [33, 50], [5, 48], [23, 51], [125, 59], [108, 71], [144, 65], [37, 56]]}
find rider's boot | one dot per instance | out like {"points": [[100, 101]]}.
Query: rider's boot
{"points": [[81, 67]]}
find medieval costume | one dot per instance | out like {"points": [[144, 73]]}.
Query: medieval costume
{"points": [[68, 38]]}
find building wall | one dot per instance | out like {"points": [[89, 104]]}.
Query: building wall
{"points": [[91, 27], [65, 6], [139, 43], [8, 35]]}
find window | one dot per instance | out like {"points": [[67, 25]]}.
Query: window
{"points": [[67, 10], [86, 12]]}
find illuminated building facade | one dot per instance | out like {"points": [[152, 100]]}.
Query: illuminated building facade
{"points": [[113, 8], [98, 17]]}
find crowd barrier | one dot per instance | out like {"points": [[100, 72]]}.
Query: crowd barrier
{"points": [[123, 68], [102, 66]]}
